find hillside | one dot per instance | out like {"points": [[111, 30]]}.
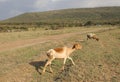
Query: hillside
{"points": [[78, 15]]}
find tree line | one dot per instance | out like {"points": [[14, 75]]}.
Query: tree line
{"points": [[10, 27]]}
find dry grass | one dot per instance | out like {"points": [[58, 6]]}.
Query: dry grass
{"points": [[94, 63]]}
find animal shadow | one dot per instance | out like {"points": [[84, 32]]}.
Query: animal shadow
{"points": [[38, 65]]}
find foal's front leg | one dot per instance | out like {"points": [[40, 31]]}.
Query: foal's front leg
{"points": [[71, 60]]}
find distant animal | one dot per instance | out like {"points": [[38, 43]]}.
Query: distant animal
{"points": [[63, 52], [92, 36]]}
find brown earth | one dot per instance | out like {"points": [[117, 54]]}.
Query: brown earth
{"points": [[31, 42]]}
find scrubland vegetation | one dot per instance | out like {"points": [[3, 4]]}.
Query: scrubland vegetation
{"points": [[58, 19]]}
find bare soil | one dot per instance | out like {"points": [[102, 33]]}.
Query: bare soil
{"points": [[31, 42]]}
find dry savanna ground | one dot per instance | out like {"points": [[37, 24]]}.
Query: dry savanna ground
{"points": [[22, 55]]}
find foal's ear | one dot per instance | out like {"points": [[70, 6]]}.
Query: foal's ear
{"points": [[77, 46], [74, 45]]}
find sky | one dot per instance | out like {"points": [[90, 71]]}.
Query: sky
{"points": [[11, 8]]}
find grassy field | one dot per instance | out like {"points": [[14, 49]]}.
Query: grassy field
{"points": [[96, 62]]}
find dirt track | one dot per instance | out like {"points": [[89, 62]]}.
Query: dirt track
{"points": [[31, 42]]}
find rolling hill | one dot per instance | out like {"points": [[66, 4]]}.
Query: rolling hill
{"points": [[77, 15]]}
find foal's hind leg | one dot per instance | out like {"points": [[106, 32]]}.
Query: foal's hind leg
{"points": [[47, 63], [51, 68]]}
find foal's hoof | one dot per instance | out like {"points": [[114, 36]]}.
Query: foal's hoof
{"points": [[51, 71], [74, 64], [61, 70], [42, 73]]}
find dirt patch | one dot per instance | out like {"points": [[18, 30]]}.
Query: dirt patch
{"points": [[31, 42]]}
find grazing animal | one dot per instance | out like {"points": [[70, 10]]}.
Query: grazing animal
{"points": [[63, 52], [92, 36]]}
